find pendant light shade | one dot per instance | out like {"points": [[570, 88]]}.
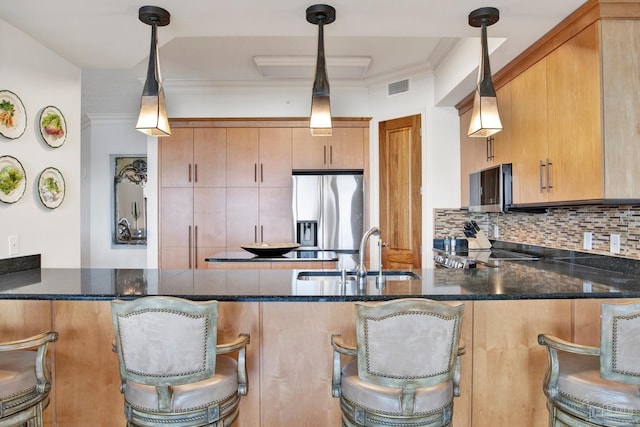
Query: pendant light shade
{"points": [[485, 120], [152, 119], [320, 120]]}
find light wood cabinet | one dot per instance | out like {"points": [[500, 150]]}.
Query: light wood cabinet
{"points": [[259, 157], [556, 125], [259, 186], [192, 220], [344, 149]]}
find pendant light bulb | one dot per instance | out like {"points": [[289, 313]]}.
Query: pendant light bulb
{"points": [[320, 119], [152, 119], [485, 119]]}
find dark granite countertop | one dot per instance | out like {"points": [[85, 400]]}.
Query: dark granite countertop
{"points": [[295, 256], [512, 280]]}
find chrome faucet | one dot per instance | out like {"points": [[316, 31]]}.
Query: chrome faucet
{"points": [[361, 270]]}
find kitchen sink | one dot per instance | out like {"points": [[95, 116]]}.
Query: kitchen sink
{"points": [[335, 275]]}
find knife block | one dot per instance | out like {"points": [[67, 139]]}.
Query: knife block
{"points": [[479, 242]]}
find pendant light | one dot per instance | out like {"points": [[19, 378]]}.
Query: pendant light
{"points": [[320, 121], [485, 120], [153, 114]]}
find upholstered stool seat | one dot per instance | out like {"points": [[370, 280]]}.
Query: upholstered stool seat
{"points": [[24, 380], [406, 369], [173, 371], [597, 386]]}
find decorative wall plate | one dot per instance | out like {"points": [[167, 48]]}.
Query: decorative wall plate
{"points": [[51, 188], [53, 127], [13, 116], [13, 180]]}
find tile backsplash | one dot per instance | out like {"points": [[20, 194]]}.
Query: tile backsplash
{"points": [[561, 228]]}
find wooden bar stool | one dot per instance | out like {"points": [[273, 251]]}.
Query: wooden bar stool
{"points": [[25, 380], [173, 372], [406, 369]]}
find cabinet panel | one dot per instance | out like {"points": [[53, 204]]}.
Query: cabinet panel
{"points": [[573, 94], [275, 157], [176, 216], [176, 158], [209, 157], [276, 218], [469, 149], [499, 150], [210, 223], [242, 157], [308, 152], [242, 217], [344, 149], [529, 133]]}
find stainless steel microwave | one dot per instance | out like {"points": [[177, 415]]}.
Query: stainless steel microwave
{"points": [[490, 189]]}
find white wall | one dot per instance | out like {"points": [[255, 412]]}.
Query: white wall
{"points": [[106, 137], [41, 78], [440, 150]]}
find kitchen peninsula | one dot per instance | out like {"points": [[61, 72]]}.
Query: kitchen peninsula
{"points": [[290, 321]]}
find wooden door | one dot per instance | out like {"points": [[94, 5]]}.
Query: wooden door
{"points": [[529, 133], [400, 199], [176, 158], [275, 157], [242, 157], [210, 157], [308, 152], [575, 142]]}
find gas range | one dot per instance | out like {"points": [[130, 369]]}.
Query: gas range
{"points": [[472, 258]]}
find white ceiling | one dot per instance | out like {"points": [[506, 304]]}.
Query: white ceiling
{"points": [[218, 41]]}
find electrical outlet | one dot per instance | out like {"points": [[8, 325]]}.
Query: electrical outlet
{"points": [[14, 245], [614, 243], [587, 242], [496, 231]]}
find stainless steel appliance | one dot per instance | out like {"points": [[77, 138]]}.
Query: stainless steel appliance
{"points": [[490, 189], [328, 212]]}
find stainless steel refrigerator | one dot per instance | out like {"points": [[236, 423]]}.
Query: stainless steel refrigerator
{"points": [[328, 212]]}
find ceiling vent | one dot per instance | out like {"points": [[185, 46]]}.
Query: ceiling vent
{"points": [[400, 86]]}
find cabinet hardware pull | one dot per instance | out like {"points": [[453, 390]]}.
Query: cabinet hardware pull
{"points": [[489, 148], [549, 187], [261, 172], [190, 247], [331, 154], [255, 233], [189, 172], [325, 154], [195, 246], [195, 172], [255, 172], [540, 174], [261, 233]]}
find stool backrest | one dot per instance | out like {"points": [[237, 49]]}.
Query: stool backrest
{"points": [[165, 341], [407, 343], [620, 342]]}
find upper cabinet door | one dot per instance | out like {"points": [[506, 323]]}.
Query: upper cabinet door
{"points": [[176, 158], [308, 152], [210, 157], [575, 142], [243, 157], [346, 148], [529, 133], [275, 157]]}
